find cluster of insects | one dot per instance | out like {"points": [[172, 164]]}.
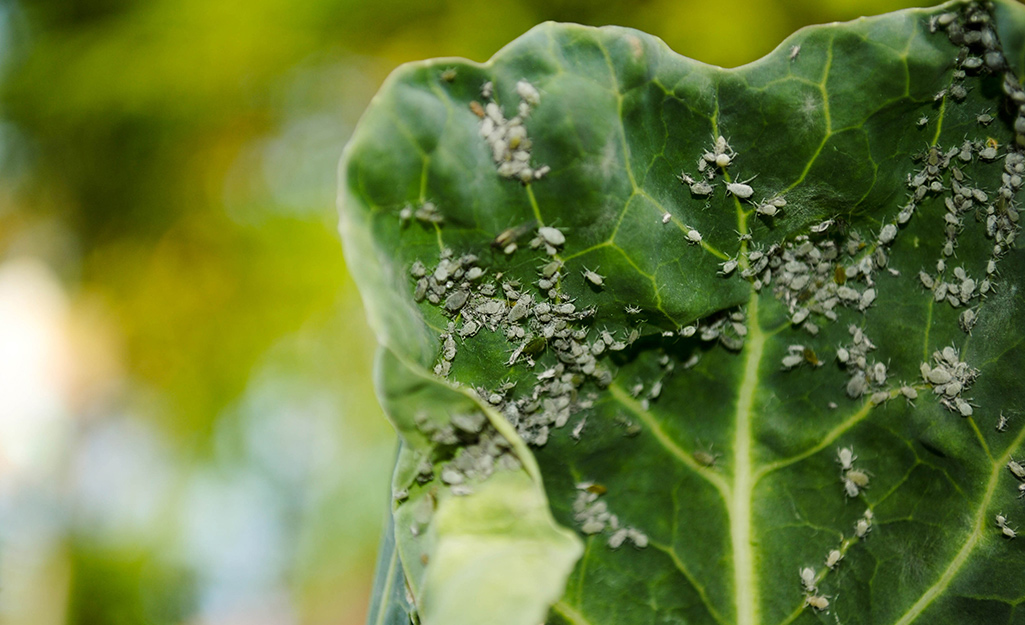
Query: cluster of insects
{"points": [[853, 479], [809, 577], [1005, 529], [507, 138], [594, 518], [949, 378], [483, 450]]}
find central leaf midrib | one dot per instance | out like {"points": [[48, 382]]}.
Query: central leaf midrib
{"points": [[743, 475]]}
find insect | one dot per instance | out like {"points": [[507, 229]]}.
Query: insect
{"points": [[909, 392], [833, 558], [509, 236], [552, 236], [593, 278], [818, 602], [528, 93], [667, 218], [740, 189], [860, 478], [808, 579], [1016, 469], [850, 488], [922, 121], [486, 90], [617, 538], [861, 528], [449, 74], [705, 458], [846, 458], [887, 234], [729, 266], [1001, 427], [693, 236], [794, 52]]}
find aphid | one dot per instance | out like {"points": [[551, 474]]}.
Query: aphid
{"points": [[705, 458], [740, 189], [593, 278], [963, 407], [850, 488], [792, 360], [909, 392], [486, 90], [1001, 520], [861, 528], [693, 236], [701, 188], [818, 602], [509, 236], [967, 320], [808, 579], [846, 458], [728, 266], [856, 385], [528, 93], [879, 397], [822, 226], [1021, 491], [667, 218], [449, 74], [1008, 532], [1016, 469], [477, 109], [617, 538], [922, 121], [985, 119], [552, 236], [887, 234], [833, 558], [794, 52], [842, 354], [632, 310], [1001, 427], [858, 477]]}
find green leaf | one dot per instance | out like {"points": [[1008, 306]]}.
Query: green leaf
{"points": [[677, 378]]}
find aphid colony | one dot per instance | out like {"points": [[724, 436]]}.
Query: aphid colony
{"points": [[853, 480], [594, 518], [949, 378], [507, 138], [426, 214], [809, 578], [980, 52], [854, 357], [482, 451]]}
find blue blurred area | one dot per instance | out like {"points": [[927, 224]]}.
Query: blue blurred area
{"points": [[188, 432]]}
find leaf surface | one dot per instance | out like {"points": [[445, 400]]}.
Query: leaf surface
{"points": [[676, 378]]}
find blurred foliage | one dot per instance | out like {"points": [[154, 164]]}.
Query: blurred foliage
{"points": [[173, 161]]}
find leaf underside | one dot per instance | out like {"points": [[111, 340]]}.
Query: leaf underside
{"points": [[644, 420]]}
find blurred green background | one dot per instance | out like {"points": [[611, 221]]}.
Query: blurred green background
{"points": [[188, 432]]}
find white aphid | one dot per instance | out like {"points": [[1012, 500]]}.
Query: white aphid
{"points": [[808, 579], [861, 528], [850, 488], [1001, 520], [617, 538], [553, 236], [728, 267], [887, 234], [909, 392], [833, 558], [667, 218], [1008, 532], [858, 477], [1016, 469], [818, 602], [528, 93], [794, 51], [740, 189], [846, 458], [694, 236], [1002, 423], [592, 277]]}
